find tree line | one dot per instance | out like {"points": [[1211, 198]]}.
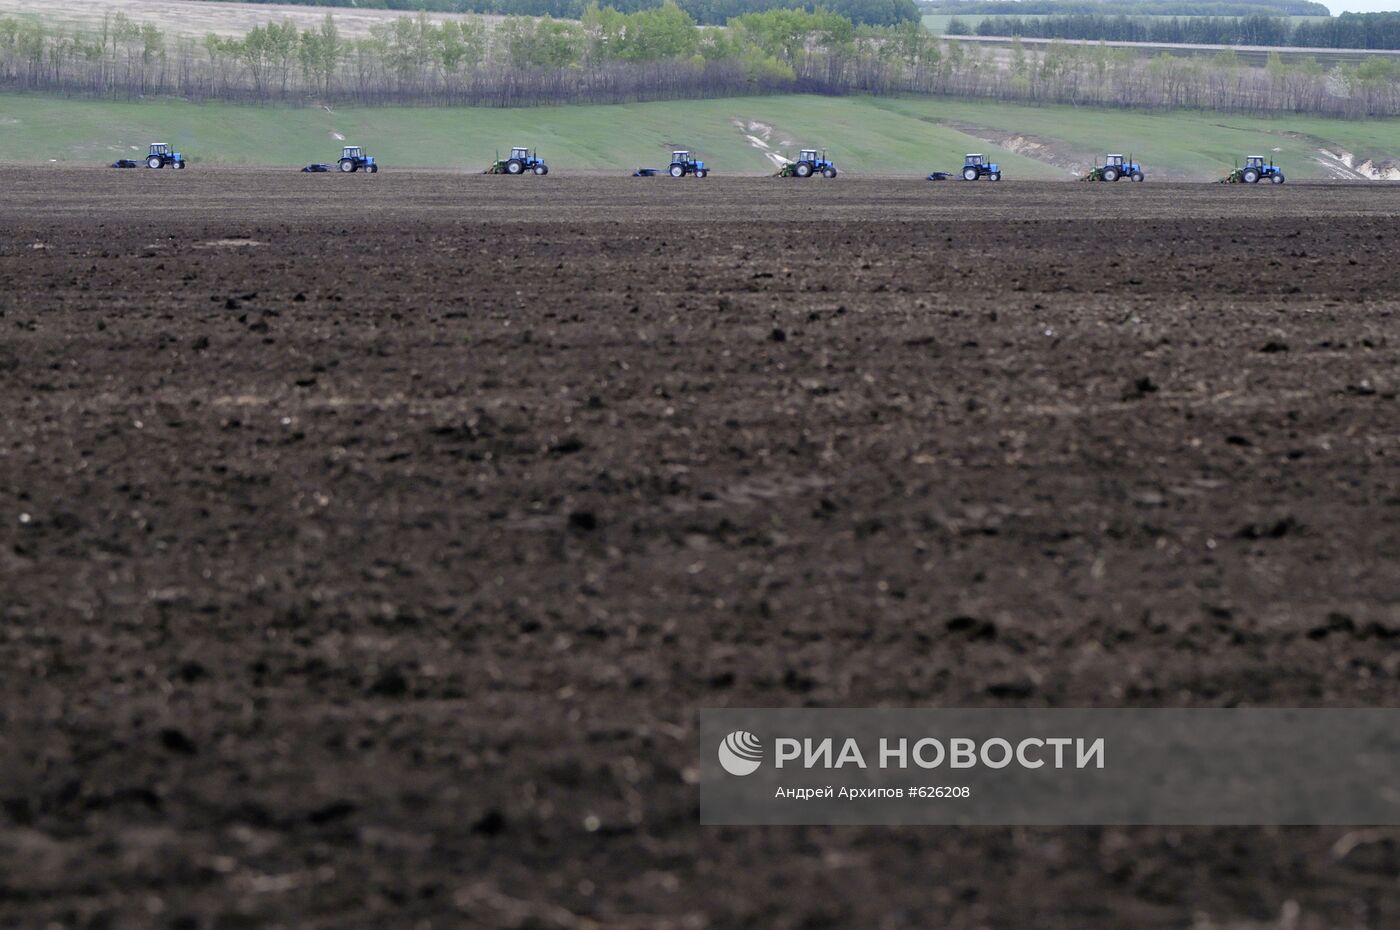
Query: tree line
{"points": [[705, 12], [1350, 30], [657, 54]]}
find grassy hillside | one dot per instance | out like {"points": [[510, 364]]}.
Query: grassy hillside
{"points": [[866, 135]]}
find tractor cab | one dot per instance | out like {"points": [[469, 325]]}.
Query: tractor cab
{"points": [[1254, 161], [352, 151], [681, 158], [520, 152], [807, 155], [1115, 161], [973, 160], [160, 148]]}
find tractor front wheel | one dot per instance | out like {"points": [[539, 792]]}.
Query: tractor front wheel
{"points": [[1139, 177], [515, 166], [703, 173], [994, 176], [828, 173], [1277, 179], [373, 169]]}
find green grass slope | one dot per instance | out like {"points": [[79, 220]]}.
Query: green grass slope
{"points": [[893, 136]]}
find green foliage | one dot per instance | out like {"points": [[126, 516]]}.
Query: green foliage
{"points": [[783, 35], [458, 46], [321, 51], [541, 43], [647, 35]]}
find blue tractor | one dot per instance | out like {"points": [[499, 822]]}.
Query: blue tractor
{"points": [[520, 161], [683, 163], [1115, 167], [1254, 171], [809, 163], [161, 156], [353, 158], [975, 166]]}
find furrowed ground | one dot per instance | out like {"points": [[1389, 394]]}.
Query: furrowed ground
{"points": [[369, 544]]}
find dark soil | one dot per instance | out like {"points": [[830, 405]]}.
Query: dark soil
{"points": [[368, 544]]}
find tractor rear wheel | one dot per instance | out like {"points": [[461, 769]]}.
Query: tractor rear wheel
{"points": [[515, 166], [154, 162], [347, 166], [969, 174], [1250, 176], [1110, 173], [803, 170], [677, 171]]}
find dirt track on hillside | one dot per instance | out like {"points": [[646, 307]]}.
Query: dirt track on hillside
{"points": [[369, 544]]}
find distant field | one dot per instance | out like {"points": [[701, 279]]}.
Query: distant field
{"points": [[900, 136], [1256, 55], [937, 23], [184, 17]]}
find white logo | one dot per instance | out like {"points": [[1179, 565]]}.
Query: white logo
{"points": [[740, 753]]}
